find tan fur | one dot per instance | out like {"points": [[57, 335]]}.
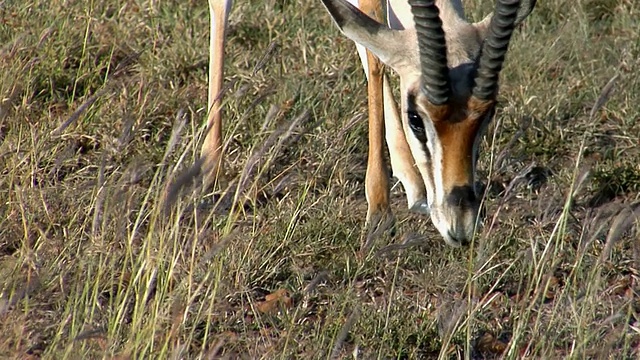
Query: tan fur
{"points": [[478, 108], [377, 180], [457, 126], [211, 151], [457, 143]]}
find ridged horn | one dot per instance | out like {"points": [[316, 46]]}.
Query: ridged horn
{"points": [[495, 48], [433, 51], [526, 7]]}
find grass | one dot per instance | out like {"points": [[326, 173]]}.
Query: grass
{"points": [[102, 107]]}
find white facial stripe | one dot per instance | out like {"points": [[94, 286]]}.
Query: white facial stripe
{"points": [[429, 164], [435, 149]]}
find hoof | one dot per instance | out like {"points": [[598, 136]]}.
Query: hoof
{"points": [[421, 207], [377, 225], [381, 222]]}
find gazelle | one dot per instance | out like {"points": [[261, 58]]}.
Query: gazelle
{"points": [[448, 69]]}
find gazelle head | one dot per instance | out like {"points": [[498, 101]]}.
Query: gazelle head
{"points": [[449, 71]]}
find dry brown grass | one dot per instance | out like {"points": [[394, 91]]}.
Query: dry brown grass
{"points": [[102, 108]]}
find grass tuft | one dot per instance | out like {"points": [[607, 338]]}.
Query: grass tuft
{"points": [[111, 248]]}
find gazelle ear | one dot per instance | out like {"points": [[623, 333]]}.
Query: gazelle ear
{"points": [[526, 7], [482, 26], [387, 44]]}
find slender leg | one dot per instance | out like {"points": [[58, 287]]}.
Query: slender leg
{"points": [[211, 151], [402, 161], [377, 178]]}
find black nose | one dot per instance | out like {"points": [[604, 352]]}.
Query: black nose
{"points": [[463, 197]]}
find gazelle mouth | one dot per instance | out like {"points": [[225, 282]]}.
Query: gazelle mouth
{"points": [[455, 242]]}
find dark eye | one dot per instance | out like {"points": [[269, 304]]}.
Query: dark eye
{"points": [[417, 126]]}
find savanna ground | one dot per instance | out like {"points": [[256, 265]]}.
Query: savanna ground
{"points": [[102, 105]]}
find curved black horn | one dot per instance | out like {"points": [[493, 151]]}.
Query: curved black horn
{"points": [[495, 48], [433, 51], [526, 7]]}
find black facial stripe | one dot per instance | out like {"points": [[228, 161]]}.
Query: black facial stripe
{"points": [[490, 114], [417, 126], [415, 120], [483, 127]]}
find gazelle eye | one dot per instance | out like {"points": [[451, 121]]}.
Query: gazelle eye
{"points": [[417, 126]]}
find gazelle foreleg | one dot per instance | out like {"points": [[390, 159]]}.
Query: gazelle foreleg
{"points": [[377, 178], [211, 151], [385, 122]]}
